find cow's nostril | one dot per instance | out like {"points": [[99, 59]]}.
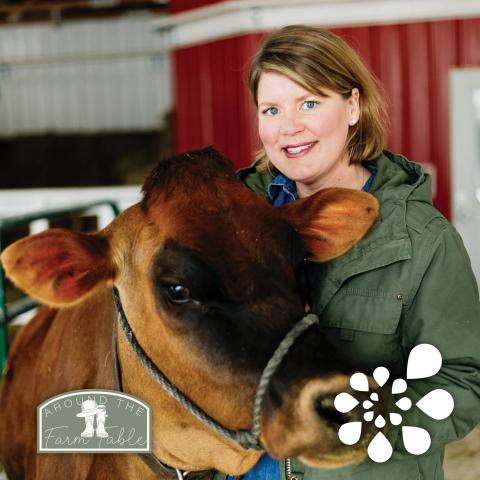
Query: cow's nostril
{"points": [[325, 408]]}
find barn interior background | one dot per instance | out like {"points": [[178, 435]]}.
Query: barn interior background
{"points": [[94, 92]]}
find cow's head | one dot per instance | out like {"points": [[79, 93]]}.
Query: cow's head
{"points": [[207, 272]]}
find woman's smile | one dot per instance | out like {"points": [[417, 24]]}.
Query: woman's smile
{"points": [[298, 150]]}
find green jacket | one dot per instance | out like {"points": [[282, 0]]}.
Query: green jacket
{"points": [[409, 281]]}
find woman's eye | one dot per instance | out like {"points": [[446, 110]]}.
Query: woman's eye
{"points": [[178, 293], [309, 105], [271, 111]]}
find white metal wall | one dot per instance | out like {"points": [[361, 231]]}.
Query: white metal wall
{"points": [[87, 76], [20, 202], [465, 155]]}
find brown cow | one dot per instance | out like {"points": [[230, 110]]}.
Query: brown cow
{"points": [[206, 273]]}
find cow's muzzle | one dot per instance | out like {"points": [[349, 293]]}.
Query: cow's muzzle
{"points": [[306, 424]]}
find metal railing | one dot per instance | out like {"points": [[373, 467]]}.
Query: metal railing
{"points": [[10, 311]]}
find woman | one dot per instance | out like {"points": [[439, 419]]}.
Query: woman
{"points": [[408, 282]]}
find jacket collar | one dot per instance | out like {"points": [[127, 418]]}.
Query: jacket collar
{"points": [[398, 181], [388, 241]]}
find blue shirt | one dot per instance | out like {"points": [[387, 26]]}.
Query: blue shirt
{"points": [[267, 468], [282, 190]]}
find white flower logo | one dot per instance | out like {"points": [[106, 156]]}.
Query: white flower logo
{"points": [[424, 361]]}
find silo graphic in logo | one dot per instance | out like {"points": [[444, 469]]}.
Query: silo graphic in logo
{"points": [[93, 421]]}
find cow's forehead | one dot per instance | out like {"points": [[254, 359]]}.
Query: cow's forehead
{"points": [[238, 230], [181, 175], [196, 202], [236, 238]]}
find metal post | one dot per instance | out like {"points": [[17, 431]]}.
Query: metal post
{"points": [[3, 318]]}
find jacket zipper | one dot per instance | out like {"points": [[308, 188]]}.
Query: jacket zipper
{"points": [[288, 470]]}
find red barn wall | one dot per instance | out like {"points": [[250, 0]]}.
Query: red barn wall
{"points": [[213, 104], [412, 62]]}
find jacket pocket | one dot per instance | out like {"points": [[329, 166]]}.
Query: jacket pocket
{"points": [[364, 310], [363, 325]]}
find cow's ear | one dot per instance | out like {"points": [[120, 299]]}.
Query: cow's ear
{"points": [[58, 267], [332, 221]]}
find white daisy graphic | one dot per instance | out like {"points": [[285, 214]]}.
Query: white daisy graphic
{"points": [[424, 361]]}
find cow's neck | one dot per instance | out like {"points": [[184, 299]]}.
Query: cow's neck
{"points": [[159, 468]]}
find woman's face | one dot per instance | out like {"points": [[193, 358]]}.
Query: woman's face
{"points": [[304, 134]]}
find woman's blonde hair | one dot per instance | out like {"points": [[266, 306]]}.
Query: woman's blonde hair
{"points": [[317, 59]]}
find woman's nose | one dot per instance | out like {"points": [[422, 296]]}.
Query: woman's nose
{"points": [[291, 124]]}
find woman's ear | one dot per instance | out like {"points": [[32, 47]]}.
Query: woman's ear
{"points": [[332, 221], [354, 106]]}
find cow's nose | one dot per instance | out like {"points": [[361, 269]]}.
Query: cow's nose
{"points": [[324, 405]]}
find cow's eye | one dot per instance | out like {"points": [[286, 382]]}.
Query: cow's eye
{"points": [[178, 293]]}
